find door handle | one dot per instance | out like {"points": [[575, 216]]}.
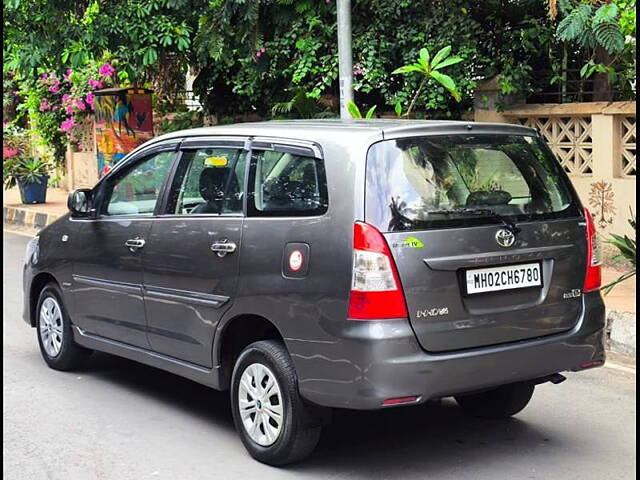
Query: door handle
{"points": [[223, 247], [134, 244]]}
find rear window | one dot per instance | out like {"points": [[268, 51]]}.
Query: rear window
{"points": [[463, 180], [286, 184]]}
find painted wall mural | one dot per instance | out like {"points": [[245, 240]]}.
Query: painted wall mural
{"points": [[601, 198], [123, 121]]}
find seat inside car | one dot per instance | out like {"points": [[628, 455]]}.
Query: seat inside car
{"points": [[212, 183]]}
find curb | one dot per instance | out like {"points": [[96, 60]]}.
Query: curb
{"points": [[26, 217], [621, 332]]}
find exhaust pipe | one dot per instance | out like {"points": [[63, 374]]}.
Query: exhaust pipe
{"points": [[555, 378]]}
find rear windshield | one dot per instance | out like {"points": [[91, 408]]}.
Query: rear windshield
{"points": [[462, 180]]}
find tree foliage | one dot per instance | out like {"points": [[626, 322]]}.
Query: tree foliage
{"points": [[251, 55]]}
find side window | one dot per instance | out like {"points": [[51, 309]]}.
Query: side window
{"points": [[208, 181], [137, 191], [286, 184]]}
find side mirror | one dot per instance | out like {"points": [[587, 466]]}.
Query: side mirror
{"points": [[80, 203]]}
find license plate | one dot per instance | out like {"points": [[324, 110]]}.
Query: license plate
{"points": [[481, 280]]}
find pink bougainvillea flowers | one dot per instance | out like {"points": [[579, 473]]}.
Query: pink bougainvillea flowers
{"points": [[68, 124], [45, 105], [95, 83], [8, 152], [261, 52], [89, 99], [106, 70], [55, 88], [79, 103], [67, 76]]}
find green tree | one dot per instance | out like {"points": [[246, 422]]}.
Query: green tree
{"points": [[600, 28]]}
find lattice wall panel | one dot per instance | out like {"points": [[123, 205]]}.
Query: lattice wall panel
{"points": [[628, 144], [569, 138]]}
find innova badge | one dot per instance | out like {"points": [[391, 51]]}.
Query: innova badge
{"points": [[505, 238]]}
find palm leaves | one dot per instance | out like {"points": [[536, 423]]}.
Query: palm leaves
{"points": [[429, 68], [301, 105]]}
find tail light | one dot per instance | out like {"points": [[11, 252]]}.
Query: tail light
{"points": [[376, 292], [593, 278]]}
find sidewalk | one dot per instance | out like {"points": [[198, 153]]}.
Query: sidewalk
{"points": [[35, 216]]}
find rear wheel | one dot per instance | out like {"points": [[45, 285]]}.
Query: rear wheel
{"points": [[53, 328], [276, 426], [501, 402]]}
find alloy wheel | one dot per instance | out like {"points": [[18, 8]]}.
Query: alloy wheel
{"points": [[51, 328]]}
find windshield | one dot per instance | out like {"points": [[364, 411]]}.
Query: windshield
{"points": [[459, 180]]}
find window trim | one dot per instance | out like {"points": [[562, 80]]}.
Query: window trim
{"points": [[102, 187], [282, 146]]}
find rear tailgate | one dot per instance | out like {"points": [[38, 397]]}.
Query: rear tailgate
{"points": [[501, 203], [432, 266]]}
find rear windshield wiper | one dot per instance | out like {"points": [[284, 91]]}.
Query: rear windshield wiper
{"points": [[511, 226]]}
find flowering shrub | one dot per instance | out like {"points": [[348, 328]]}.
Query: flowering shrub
{"points": [[18, 165], [15, 142], [59, 104]]}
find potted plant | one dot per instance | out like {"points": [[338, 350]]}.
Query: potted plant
{"points": [[30, 174]]}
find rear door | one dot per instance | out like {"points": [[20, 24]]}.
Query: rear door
{"points": [[486, 234], [192, 254]]}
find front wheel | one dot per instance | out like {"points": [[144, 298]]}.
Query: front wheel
{"points": [[501, 402], [275, 424], [55, 337]]}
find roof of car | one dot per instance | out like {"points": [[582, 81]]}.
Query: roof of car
{"points": [[335, 129]]}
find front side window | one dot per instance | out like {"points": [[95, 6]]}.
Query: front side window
{"points": [[136, 192], [460, 180], [209, 181], [287, 184]]}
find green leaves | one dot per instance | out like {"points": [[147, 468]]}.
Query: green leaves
{"points": [[429, 69], [627, 248], [449, 61], [572, 26], [448, 83], [416, 67], [398, 109], [606, 13], [608, 35], [588, 28], [441, 55], [354, 111]]}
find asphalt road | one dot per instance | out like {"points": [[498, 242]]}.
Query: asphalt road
{"points": [[116, 419]]}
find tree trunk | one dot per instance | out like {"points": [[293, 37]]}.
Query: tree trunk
{"points": [[602, 91]]}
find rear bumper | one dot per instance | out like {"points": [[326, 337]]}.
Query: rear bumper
{"points": [[374, 361]]}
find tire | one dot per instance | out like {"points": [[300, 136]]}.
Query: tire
{"points": [[55, 336], [300, 424], [502, 402]]}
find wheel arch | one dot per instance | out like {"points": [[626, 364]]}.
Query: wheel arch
{"points": [[38, 283], [234, 335]]}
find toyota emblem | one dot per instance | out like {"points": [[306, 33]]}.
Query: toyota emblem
{"points": [[505, 238]]}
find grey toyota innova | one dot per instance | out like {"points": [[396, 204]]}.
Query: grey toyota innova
{"points": [[310, 265]]}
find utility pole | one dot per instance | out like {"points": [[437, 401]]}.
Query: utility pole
{"points": [[345, 60]]}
